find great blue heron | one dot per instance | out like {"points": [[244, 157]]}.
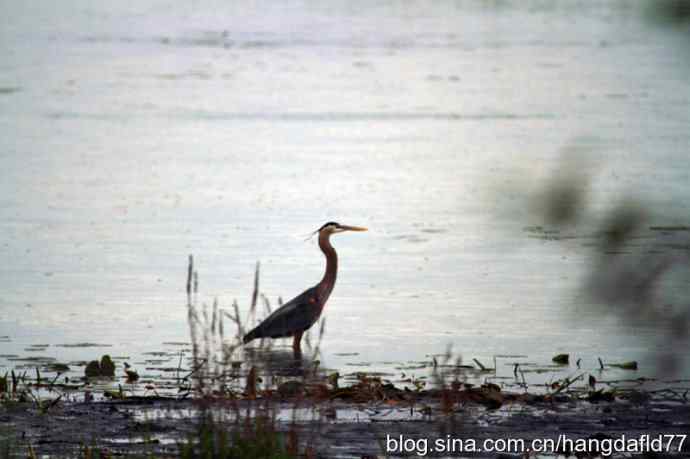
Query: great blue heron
{"points": [[299, 314]]}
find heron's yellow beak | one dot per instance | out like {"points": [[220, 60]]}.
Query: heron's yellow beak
{"points": [[351, 228]]}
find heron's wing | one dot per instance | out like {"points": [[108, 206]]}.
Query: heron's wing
{"points": [[296, 315]]}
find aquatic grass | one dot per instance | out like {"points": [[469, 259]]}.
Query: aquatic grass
{"points": [[218, 354], [250, 438], [211, 352], [10, 448], [227, 428], [19, 391], [7, 443]]}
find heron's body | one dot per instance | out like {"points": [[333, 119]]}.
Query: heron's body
{"points": [[299, 314]]}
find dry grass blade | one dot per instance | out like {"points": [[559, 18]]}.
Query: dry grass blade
{"points": [[221, 330], [251, 384], [267, 304], [567, 383], [237, 320], [322, 332], [255, 292], [214, 316], [190, 270], [322, 329], [307, 339]]}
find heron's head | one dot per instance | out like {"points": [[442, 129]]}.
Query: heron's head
{"points": [[333, 228]]}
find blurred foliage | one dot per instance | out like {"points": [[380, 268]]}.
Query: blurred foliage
{"points": [[258, 439], [669, 12]]}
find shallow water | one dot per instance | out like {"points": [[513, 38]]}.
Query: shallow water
{"points": [[133, 135]]}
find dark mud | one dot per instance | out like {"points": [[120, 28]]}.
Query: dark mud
{"points": [[341, 428]]}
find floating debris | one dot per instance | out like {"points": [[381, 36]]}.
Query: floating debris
{"points": [[132, 375], [36, 347], [83, 345], [561, 359], [290, 389], [104, 368], [632, 365], [37, 359], [481, 366], [56, 367], [601, 396], [670, 228]]}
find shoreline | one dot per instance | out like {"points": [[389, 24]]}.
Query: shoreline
{"points": [[355, 421]]}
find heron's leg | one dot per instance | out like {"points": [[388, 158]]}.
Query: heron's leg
{"points": [[297, 344]]}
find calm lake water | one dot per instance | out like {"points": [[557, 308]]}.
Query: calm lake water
{"points": [[136, 134]]}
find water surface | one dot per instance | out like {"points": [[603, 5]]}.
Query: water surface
{"points": [[133, 135]]}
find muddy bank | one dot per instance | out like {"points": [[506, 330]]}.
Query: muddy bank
{"points": [[340, 428]]}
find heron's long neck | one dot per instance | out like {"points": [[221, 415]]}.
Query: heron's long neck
{"points": [[325, 287]]}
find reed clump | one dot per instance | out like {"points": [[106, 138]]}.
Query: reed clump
{"points": [[235, 389]]}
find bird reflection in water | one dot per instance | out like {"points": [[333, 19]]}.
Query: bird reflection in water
{"points": [[279, 362]]}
